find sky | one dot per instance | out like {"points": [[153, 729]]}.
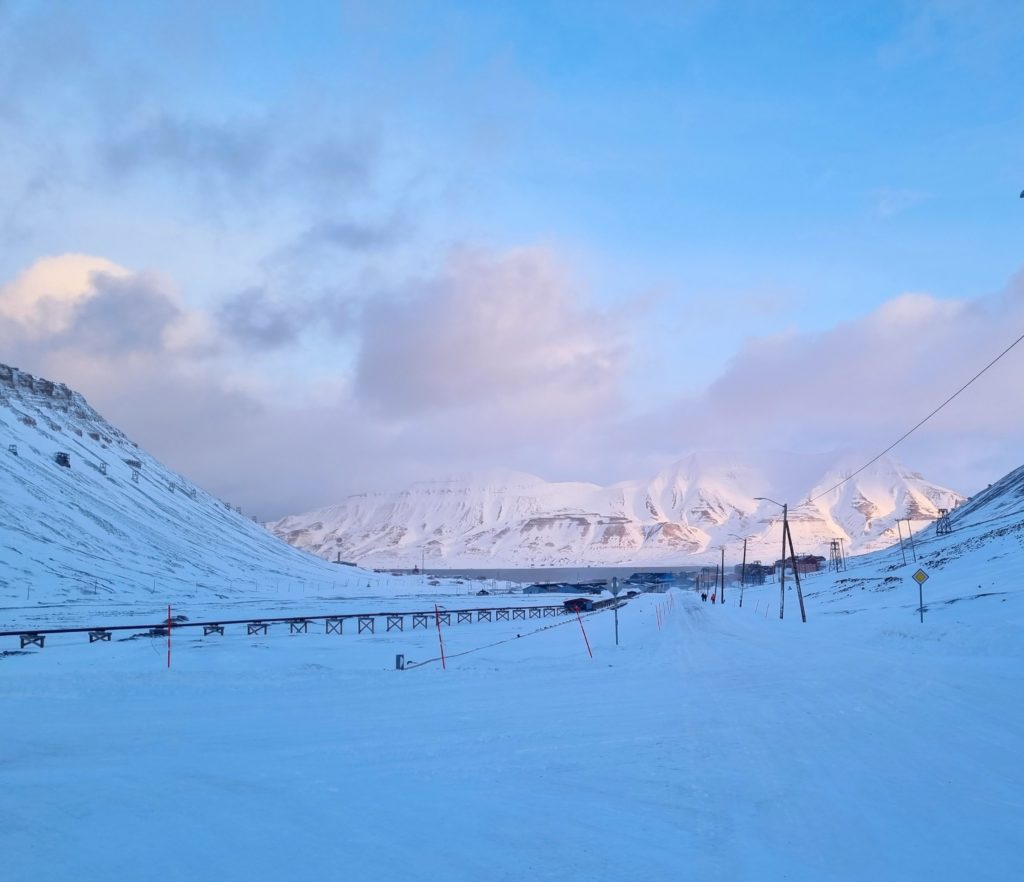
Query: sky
{"points": [[302, 250]]}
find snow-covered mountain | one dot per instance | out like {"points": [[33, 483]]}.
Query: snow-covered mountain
{"points": [[113, 521], [688, 510]]}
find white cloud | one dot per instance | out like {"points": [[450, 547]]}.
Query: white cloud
{"points": [[84, 302], [503, 342], [500, 360], [863, 383], [913, 313], [507, 334], [43, 298]]}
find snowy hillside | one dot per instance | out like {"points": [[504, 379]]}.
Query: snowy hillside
{"points": [[114, 521], [976, 566], [505, 518]]}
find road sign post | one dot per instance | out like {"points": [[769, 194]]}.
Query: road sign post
{"points": [[920, 577]]}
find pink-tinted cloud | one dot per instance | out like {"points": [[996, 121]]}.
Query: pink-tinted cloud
{"points": [[507, 334], [501, 360], [863, 383]]}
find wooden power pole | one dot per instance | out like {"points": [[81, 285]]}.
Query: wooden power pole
{"points": [[722, 594]]}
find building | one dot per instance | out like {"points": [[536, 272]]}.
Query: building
{"points": [[805, 563]]}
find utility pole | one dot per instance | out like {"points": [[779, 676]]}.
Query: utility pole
{"points": [[615, 594], [899, 530], [796, 572], [782, 580], [787, 536], [721, 597], [910, 533], [743, 566], [743, 572]]}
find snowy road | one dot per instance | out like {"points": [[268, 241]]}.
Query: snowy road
{"points": [[725, 746]]}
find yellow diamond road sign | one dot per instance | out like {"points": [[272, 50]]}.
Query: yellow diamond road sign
{"points": [[920, 577]]}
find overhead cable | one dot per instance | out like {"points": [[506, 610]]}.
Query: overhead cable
{"points": [[918, 426]]}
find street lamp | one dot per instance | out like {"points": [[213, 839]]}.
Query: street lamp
{"points": [[796, 573], [743, 567]]}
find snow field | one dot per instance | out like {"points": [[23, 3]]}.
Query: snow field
{"points": [[722, 746]]}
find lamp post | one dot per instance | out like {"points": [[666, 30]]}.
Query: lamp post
{"points": [[721, 591], [796, 573]]}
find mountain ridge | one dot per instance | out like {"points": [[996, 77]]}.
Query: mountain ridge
{"points": [[684, 512]]}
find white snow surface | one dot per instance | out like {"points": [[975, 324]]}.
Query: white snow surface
{"points": [[90, 530], [715, 743], [511, 519]]}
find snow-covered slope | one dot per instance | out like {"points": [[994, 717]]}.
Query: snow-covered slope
{"points": [[114, 521], [505, 518], [978, 564]]}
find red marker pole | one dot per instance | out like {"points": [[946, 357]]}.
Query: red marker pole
{"points": [[168, 635], [584, 630], [437, 621]]}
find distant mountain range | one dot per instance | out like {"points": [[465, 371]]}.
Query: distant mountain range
{"points": [[682, 515]]}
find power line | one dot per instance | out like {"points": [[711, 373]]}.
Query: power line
{"points": [[960, 529], [921, 423], [414, 664]]}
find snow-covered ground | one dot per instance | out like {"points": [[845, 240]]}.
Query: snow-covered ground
{"points": [[723, 744]]}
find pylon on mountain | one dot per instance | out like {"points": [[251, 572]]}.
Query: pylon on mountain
{"points": [[836, 560]]}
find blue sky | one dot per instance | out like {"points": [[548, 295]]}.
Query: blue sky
{"points": [[683, 188]]}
